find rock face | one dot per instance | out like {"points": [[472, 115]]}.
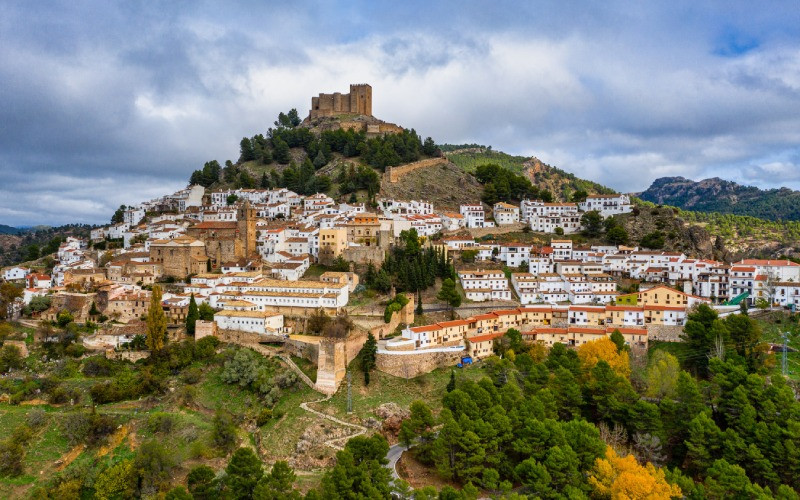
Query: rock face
{"points": [[718, 195], [678, 235]]}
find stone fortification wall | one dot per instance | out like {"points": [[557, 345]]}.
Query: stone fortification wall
{"points": [[204, 329], [358, 101], [666, 333], [411, 365], [132, 356], [305, 350], [393, 174], [331, 366], [246, 338], [364, 255], [405, 315]]}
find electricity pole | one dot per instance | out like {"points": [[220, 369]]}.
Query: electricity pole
{"points": [[349, 393], [784, 364]]}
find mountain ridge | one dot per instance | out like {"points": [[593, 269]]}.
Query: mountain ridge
{"points": [[726, 197]]}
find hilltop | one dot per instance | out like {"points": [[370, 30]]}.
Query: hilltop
{"points": [[726, 197]]}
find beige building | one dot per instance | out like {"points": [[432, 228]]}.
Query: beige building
{"points": [[332, 243], [364, 229], [179, 257]]}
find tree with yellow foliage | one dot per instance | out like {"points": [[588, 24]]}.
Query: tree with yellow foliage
{"points": [[622, 478], [156, 322], [604, 349]]}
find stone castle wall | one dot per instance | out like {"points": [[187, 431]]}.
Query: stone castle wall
{"points": [[364, 255], [411, 365], [357, 101], [666, 333], [405, 315], [393, 174]]}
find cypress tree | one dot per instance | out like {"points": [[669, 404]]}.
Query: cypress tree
{"points": [[369, 354], [192, 316], [451, 386]]}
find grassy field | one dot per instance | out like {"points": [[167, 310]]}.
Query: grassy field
{"points": [[470, 161]]}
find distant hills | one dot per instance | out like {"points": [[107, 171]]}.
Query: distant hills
{"points": [[718, 195], [10, 230]]}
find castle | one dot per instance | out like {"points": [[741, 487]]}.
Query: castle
{"points": [[358, 101]]}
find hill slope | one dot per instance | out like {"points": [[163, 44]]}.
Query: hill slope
{"points": [[560, 183], [718, 195]]}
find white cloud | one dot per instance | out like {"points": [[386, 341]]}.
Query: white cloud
{"points": [[617, 95]]}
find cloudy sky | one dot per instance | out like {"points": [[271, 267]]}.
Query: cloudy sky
{"points": [[104, 103]]}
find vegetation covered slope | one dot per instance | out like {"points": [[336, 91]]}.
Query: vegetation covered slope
{"points": [[32, 244], [560, 183], [726, 197]]}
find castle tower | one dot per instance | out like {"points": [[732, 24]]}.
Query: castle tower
{"points": [[246, 226], [361, 99]]}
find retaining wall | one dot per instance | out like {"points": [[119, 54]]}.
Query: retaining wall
{"points": [[667, 333], [411, 365]]}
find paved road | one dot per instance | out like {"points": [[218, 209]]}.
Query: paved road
{"points": [[393, 456]]}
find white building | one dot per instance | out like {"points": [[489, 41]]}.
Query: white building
{"points": [[480, 285], [607, 204], [474, 215], [260, 322], [505, 214], [15, 273]]}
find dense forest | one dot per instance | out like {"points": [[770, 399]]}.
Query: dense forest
{"points": [[725, 197], [272, 152], [562, 423]]}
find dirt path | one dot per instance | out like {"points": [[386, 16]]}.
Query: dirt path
{"points": [[333, 443], [69, 457]]}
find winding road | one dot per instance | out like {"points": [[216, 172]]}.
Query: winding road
{"points": [[395, 452]]}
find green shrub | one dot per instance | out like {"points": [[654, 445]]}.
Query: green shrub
{"points": [[264, 416]]}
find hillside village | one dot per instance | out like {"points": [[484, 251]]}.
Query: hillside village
{"points": [[246, 253], [313, 280]]}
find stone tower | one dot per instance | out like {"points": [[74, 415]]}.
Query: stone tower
{"points": [[361, 99], [246, 227]]}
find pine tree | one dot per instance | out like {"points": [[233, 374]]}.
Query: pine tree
{"points": [[449, 294], [418, 311], [156, 322], [192, 316]]}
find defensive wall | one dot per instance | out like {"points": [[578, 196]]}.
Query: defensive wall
{"points": [[666, 333], [411, 365], [364, 255], [132, 356], [405, 315], [393, 174]]}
